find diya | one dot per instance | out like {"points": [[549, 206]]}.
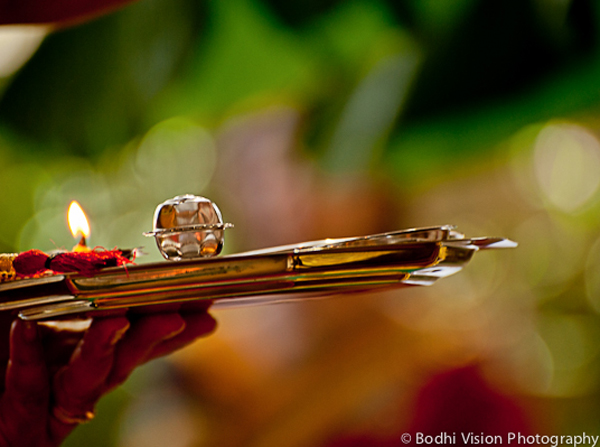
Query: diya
{"points": [[189, 230]]}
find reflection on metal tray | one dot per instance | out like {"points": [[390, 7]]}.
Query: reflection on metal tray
{"points": [[293, 272]]}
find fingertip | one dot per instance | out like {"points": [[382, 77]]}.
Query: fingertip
{"points": [[198, 324], [163, 326], [30, 331], [196, 306], [202, 323], [175, 326], [108, 329], [24, 331]]}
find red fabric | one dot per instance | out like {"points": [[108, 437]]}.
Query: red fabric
{"points": [[55, 11], [30, 263], [87, 263], [35, 262]]}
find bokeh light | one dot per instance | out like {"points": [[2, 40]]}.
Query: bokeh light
{"points": [[567, 165]]}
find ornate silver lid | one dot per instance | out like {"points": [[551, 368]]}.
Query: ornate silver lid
{"points": [[188, 227]]}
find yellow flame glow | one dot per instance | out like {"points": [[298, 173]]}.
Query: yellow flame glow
{"points": [[78, 223]]}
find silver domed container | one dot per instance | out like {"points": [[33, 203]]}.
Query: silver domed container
{"points": [[188, 227]]}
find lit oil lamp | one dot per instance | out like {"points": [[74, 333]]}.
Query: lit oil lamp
{"points": [[82, 259], [79, 225]]}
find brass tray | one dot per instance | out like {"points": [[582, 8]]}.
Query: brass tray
{"points": [[295, 272]]}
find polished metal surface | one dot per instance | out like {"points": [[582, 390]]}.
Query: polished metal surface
{"points": [[188, 227], [416, 257]]}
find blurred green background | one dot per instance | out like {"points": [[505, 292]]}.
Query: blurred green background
{"points": [[314, 119]]}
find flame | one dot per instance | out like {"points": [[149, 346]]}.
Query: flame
{"points": [[78, 223]]}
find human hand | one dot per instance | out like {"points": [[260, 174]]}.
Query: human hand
{"points": [[53, 379]]}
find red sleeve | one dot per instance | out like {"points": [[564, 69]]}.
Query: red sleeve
{"points": [[54, 11]]}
